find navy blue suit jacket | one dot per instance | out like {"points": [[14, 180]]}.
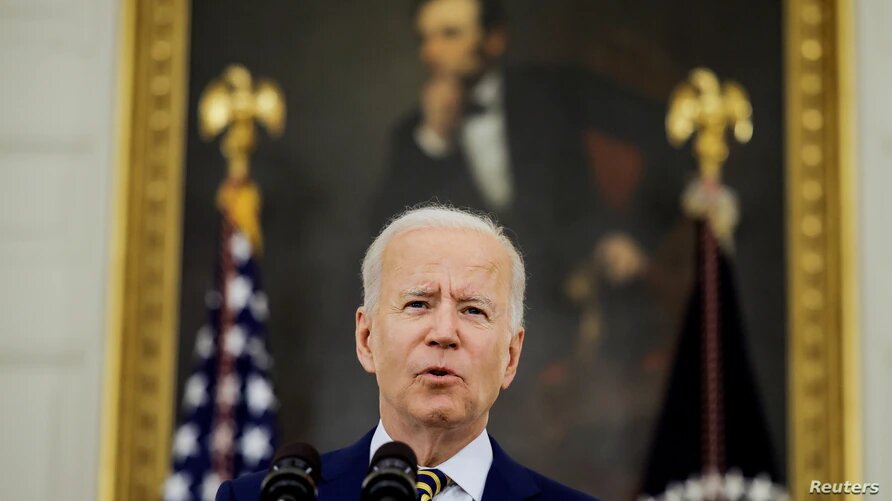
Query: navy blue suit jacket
{"points": [[343, 471]]}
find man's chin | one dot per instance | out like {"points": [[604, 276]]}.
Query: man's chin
{"points": [[437, 419], [441, 415]]}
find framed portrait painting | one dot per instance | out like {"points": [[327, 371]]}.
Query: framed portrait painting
{"points": [[563, 139]]}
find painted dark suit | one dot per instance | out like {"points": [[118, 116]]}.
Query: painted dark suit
{"points": [[563, 175], [585, 157]]}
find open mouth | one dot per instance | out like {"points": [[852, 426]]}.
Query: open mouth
{"points": [[438, 372]]}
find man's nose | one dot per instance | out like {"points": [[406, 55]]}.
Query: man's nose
{"points": [[428, 52], [444, 332]]}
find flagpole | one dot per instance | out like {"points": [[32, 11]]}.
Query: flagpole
{"points": [[233, 432], [704, 107], [234, 103]]}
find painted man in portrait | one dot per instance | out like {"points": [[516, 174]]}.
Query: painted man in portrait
{"points": [[579, 167]]}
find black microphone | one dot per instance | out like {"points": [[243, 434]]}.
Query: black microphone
{"points": [[391, 475], [294, 475]]}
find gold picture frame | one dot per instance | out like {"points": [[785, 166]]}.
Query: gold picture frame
{"points": [[823, 406], [823, 385], [144, 269]]}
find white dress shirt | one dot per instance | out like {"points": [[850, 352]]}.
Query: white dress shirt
{"points": [[468, 468], [484, 140]]}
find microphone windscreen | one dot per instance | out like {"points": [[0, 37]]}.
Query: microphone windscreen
{"points": [[395, 450], [303, 451]]}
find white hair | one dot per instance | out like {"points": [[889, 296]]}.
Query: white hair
{"points": [[442, 216]]}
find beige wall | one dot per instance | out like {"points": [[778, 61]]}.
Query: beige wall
{"points": [[874, 90], [57, 88]]}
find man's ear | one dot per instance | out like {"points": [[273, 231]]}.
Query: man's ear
{"points": [[363, 340], [495, 42], [514, 349]]}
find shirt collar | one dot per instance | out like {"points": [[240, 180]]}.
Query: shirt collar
{"points": [[468, 468], [488, 90]]}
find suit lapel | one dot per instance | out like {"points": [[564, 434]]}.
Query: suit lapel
{"points": [[516, 110], [507, 480], [528, 122], [343, 470]]}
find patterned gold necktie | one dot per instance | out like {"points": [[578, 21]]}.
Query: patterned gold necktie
{"points": [[430, 482]]}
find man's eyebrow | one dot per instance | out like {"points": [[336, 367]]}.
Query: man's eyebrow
{"points": [[417, 292], [477, 298]]}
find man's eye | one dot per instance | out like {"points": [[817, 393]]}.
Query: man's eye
{"points": [[474, 311], [450, 32], [416, 304]]}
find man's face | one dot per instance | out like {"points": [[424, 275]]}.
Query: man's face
{"points": [[439, 340], [451, 39]]}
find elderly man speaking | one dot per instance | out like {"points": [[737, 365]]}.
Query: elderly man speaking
{"points": [[441, 328]]}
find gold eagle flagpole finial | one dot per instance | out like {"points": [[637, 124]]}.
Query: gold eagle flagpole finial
{"points": [[230, 106], [705, 108]]}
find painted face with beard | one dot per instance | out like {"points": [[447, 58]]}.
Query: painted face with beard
{"points": [[452, 41]]}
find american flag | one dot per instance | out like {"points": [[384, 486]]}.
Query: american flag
{"points": [[228, 415]]}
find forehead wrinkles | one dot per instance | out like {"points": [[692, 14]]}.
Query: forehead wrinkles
{"points": [[436, 13], [431, 278], [464, 254]]}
